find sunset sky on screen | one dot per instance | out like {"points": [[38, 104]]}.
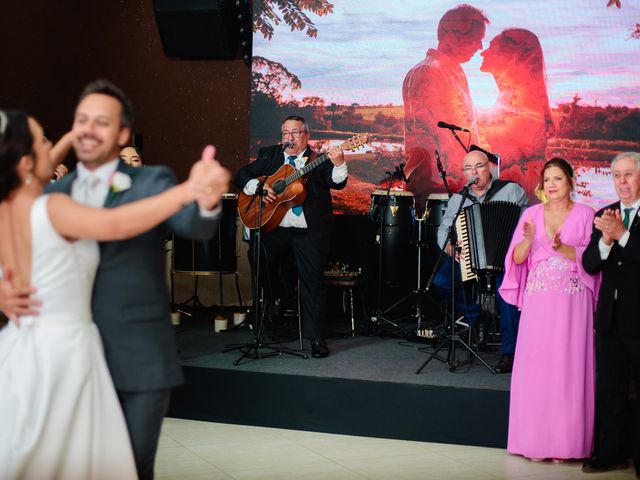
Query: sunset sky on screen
{"points": [[365, 48]]}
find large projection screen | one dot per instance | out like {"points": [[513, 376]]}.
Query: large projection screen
{"points": [[549, 78]]}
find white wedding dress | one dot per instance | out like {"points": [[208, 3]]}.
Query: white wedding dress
{"points": [[59, 412]]}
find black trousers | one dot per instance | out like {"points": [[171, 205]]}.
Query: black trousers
{"points": [[617, 362], [310, 259], [144, 412]]}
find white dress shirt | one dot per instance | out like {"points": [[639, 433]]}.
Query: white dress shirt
{"points": [[606, 249], [290, 219], [92, 187]]}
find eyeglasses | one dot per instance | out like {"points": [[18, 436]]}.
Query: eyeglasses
{"points": [[292, 133], [477, 166]]}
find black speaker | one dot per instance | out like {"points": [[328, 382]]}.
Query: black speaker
{"points": [[215, 255], [201, 29]]}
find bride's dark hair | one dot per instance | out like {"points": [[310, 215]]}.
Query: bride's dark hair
{"points": [[16, 141]]}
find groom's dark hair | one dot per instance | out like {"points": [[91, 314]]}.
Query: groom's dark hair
{"points": [[105, 87]]}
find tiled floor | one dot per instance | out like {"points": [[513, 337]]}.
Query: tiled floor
{"points": [[192, 450]]}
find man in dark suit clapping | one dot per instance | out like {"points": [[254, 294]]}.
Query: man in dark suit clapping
{"points": [[614, 250]]}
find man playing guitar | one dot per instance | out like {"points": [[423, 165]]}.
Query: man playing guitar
{"points": [[304, 230]]}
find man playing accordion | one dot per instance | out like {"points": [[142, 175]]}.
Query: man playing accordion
{"points": [[483, 188]]}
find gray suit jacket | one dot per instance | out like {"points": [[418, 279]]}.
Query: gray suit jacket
{"points": [[130, 301]]}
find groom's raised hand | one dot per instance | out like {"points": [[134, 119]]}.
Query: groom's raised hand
{"points": [[209, 179], [16, 301]]}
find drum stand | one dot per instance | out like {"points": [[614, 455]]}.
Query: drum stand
{"points": [[452, 338], [488, 298], [379, 315], [417, 292]]}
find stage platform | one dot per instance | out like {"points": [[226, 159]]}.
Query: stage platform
{"points": [[368, 386]]}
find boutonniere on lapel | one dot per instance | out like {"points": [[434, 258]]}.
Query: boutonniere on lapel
{"points": [[118, 183]]}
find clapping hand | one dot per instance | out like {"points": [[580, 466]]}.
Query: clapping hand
{"points": [[528, 230], [521, 250], [208, 179], [611, 226], [556, 243]]}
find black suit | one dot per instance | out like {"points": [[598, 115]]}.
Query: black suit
{"points": [[617, 340], [131, 309], [310, 246]]}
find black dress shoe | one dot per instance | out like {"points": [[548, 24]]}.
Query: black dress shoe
{"points": [[505, 364], [595, 465], [319, 348]]}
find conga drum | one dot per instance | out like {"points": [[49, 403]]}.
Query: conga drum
{"points": [[392, 217], [434, 210]]}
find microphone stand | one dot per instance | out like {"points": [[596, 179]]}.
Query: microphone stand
{"points": [[420, 243], [452, 337], [453, 132], [252, 350], [443, 174]]}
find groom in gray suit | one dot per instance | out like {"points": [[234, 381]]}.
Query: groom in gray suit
{"points": [[130, 303]]}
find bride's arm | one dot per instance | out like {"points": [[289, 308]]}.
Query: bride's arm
{"points": [[73, 220], [60, 149], [70, 219]]}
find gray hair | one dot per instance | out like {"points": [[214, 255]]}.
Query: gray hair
{"points": [[297, 118], [632, 155]]}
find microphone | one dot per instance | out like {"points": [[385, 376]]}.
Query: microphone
{"points": [[450, 126], [401, 174], [465, 190], [287, 144]]}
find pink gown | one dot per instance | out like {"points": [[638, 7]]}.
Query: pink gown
{"points": [[553, 382]]}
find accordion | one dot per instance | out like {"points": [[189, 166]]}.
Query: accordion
{"points": [[485, 231]]}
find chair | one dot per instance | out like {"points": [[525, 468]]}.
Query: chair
{"points": [[348, 282]]}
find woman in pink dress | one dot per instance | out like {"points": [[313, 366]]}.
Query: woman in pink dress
{"points": [[553, 384]]}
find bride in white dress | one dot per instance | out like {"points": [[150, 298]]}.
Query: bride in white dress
{"points": [[59, 413]]}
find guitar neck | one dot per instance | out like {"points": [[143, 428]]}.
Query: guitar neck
{"points": [[306, 169]]}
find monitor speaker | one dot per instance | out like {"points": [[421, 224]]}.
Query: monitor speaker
{"points": [[201, 29], [215, 255]]}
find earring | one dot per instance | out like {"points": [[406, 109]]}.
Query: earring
{"points": [[28, 179], [539, 191]]}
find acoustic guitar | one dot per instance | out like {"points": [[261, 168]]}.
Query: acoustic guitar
{"points": [[290, 187]]}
